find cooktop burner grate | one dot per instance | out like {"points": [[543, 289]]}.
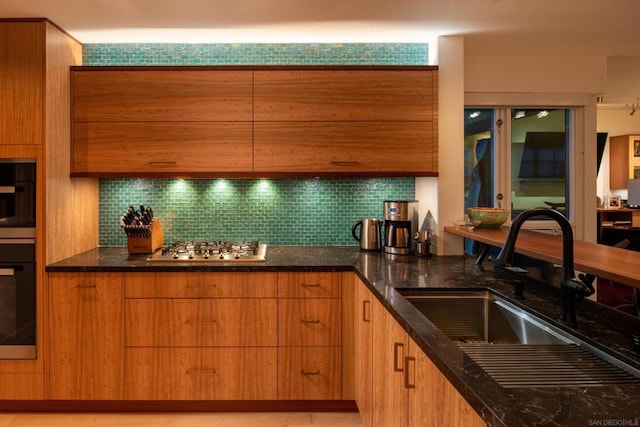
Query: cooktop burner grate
{"points": [[212, 251]]}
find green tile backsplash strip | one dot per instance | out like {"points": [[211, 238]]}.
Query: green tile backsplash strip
{"points": [[280, 212], [276, 211], [257, 54]]}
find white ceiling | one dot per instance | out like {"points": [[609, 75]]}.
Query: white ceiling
{"points": [[491, 27]]}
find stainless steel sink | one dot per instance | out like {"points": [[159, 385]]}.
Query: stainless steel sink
{"points": [[515, 347]]}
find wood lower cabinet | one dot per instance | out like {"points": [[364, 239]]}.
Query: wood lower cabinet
{"points": [[408, 389], [201, 336], [309, 336], [363, 337], [201, 373], [86, 335]]}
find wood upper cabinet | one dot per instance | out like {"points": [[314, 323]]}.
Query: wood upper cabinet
{"points": [[624, 160], [341, 122], [86, 339], [164, 122], [22, 82], [217, 121]]}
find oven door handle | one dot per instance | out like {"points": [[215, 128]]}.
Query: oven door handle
{"points": [[7, 189], [10, 270]]}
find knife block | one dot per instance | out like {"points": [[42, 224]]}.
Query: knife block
{"points": [[147, 244]]}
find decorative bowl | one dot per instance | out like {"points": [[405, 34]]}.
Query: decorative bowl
{"points": [[488, 217]]}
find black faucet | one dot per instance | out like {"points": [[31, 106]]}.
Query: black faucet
{"points": [[570, 286]]}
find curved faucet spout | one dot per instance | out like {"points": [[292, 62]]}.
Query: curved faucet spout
{"points": [[569, 285]]}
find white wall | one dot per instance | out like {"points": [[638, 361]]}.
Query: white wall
{"points": [[501, 81]]}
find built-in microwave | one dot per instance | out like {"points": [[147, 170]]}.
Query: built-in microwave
{"points": [[17, 197]]}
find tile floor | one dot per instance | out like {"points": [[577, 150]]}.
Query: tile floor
{"points": [[222, 419]]}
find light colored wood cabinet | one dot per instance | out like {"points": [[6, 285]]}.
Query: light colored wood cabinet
{"points": [[390, 344], [433, 401], [309, 335], [201, 373], [202, 285], [22, 80], [363, 324], [86, 320], [309, 373], [22, 386], [216, 121], [201, 322], [408, 389], [198, 336], [165, 121], [624, 160], [346, 121]]}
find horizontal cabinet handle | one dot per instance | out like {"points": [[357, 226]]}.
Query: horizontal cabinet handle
{"points": [[344, 163], [310, 285], [7, 189], [200, 286], [201, 371], [161, 164], [85, 286], [303, 372], [201, 321], [7, 272], [310, 320]]}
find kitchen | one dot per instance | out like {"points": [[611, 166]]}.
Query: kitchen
{"points": [[448, 210]]}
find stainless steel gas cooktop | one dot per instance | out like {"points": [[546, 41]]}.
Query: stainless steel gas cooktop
{"points": [[213, 251]]}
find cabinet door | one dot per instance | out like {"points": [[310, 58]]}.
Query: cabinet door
{"points": [[433, 400], [624, 158], [344, 95], [224, 373], [22, 82], [86, 337], [363, 349], [390, 346], [161, 147], [335, 147], [309, 285]]}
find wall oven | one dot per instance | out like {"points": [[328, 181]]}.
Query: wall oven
{"points": [[17, 259]]}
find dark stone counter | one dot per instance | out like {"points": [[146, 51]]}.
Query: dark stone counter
{"points": [[598, 325]]}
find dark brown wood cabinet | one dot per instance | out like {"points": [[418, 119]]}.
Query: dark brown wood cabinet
{"points": [[254, 121]]}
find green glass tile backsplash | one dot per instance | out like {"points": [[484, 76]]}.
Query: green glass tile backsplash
{"points": [[310, 211], [277, 211]]}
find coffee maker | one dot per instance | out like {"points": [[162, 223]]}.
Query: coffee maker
{"points": [[400, 225]]}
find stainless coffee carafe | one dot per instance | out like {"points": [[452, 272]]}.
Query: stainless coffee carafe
{"points": [[369, 237], [400, 224]]}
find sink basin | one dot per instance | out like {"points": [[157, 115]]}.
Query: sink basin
{"points": [[515, 347], [481, 317]]}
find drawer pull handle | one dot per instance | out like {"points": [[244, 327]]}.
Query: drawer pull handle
{"points": [[162, 164], [396, 359], [310, 372], [366, 311], [407, 384], [201, 372], [344, 163], [310, 285], [85, 286], [199, 286], [201, 321], [310, 320]]}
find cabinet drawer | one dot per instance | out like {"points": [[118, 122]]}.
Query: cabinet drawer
{"points": [[309, 373], [309, 322], [202, 322], [201, 285], [309, 285], [201, 374]]}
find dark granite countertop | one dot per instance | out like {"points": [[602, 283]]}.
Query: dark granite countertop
{"points": [[598, 325]]}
